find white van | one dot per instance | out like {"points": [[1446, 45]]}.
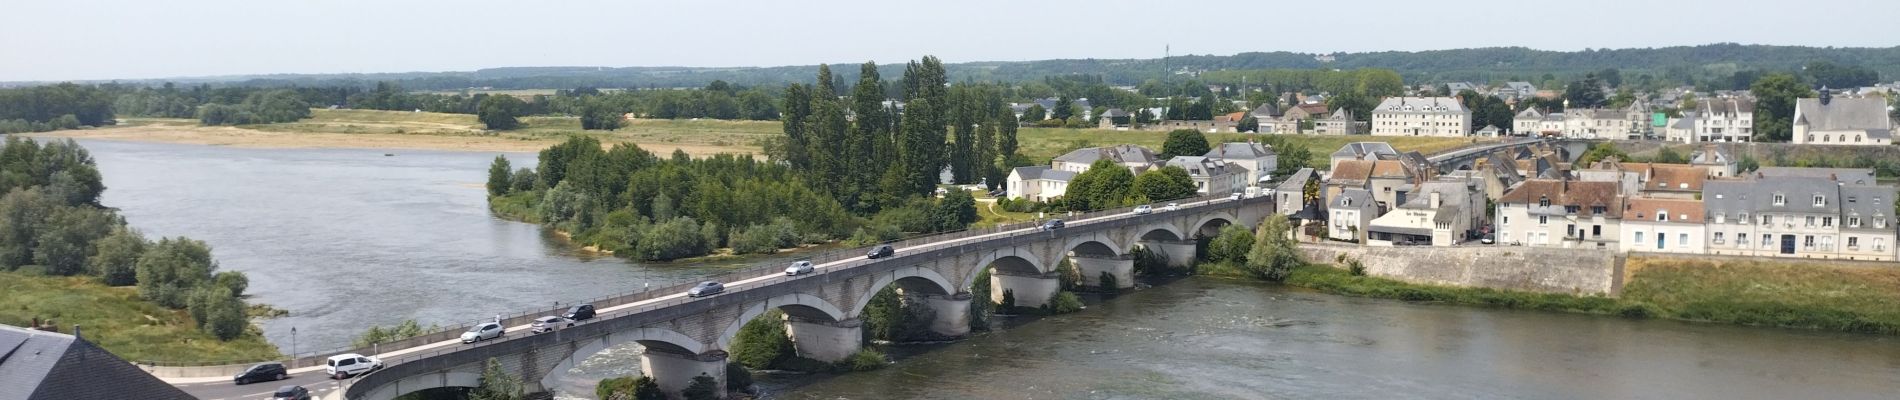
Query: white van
{"points": [[343, 366]]}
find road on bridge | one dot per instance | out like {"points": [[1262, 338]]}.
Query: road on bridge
{"points": [[313, 378]]}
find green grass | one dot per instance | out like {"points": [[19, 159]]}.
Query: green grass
{"points": [[117, 320], [1042, 144], [1757, 293]]}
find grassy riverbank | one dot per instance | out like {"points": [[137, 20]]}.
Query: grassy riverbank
{"points": [[117, 320], [1756, 293]]}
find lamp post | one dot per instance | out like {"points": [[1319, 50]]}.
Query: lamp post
{"points": [[293, 343]]}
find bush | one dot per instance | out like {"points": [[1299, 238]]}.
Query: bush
{"points": [[1355, 267], [1009, 300], [406, 329], [1148, 261], [1107, 282], [1232, 244], [629, 388], [1063, 302], [703, 388], [235, 281], [170, 269], [498, 384], [115, 258], [678, 238], [762, 343], [863, 360]]}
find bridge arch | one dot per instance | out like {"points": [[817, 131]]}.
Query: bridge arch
{"points": [[445, 379], [913, 279], [800, 305], [1014, 260], [1209, 225], [1161, 231], [1094, 244], [654, 339]]}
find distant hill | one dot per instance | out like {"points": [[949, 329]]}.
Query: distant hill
{"points": [[1476, 64]]}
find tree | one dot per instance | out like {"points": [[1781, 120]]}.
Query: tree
{"points": [[500, 178], [599, 115], [1231, 245], [1775, 95], [1184, 142], [703, 388], [629, 388], [1586, 93], [115, 257], [1165, 183], [1064, 108], [500, 112], [218, 312], [762, 343], [1273, 256], [1601, 151], [171, 268], [957, 210], [1248, 124], [498, 384], [1667, 155], [65, 238], [1034, 113], [1105, 185]]}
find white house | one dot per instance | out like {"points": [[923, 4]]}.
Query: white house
{"points": [[1725, 120], [1421, 116], [1561, 213], [1350, 212], [1212, 176], [1257, 159], [1037, 183], [1664, 226], [1438, 215]]}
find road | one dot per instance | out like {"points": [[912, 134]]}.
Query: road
{"points": [[313, 378]]}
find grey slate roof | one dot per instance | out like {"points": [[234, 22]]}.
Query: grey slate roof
{"points": [[1851, 114], [1199, 166], [1421, 104], [1295, 183], [1267, 110], [1042, 172], [1867, 202], [37, 365], [1360, 199], [1759, 195], [1239, 151], [1365, 150], [1126, 153], [1851, 176]]}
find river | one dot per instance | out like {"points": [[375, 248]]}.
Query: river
{"points": [[344, 239]]}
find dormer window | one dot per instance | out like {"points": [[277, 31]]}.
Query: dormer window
{"points": [[1662, 215], [1853, 222], [1780, 200], [1820, 201]]}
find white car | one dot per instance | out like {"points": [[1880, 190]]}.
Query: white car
{"points": [[1172, 207], [485, 331], [1236, 196], [549, 324], [347, 365], [1144, 209], [798, 268]]}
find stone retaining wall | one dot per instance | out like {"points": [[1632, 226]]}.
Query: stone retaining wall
{"points": [[1546, 270]]}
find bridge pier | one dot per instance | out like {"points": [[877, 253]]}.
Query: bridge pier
{"points": [[824, 340], [674, 372], [951, 314], [1029, 290], [1092, 267], [1179, 253]]}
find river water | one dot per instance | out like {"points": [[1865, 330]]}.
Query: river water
{"points": [[348, 238]]}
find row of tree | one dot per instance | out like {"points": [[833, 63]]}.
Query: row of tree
{"points": [[61, 106], [51, 223]]}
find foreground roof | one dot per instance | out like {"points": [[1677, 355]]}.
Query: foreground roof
{"points": [[36, 365]]}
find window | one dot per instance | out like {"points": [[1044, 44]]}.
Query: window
{"points": [[1880, 244], [1780, 200], [1718, 238], [1827, 222], [1598, 210], [1807, 241], [1571, 209], [1682, 239], [1767, 240], [1880, 223], [1767, 220], [1853, 222], [1719, 218], [1662, 215], [1543, 220], [1596, 230], [1853, 243], [1810, 221], [1639, 237], [1820, 201], [1742, 218]]}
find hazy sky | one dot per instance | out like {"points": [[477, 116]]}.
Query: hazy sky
{"points": [[125, 39]]}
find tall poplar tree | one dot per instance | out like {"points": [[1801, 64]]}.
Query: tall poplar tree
{"points": [[797, 110], [921, 151], [965, 113]]}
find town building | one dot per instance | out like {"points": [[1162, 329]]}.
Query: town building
{"points": [[1716, 161], [1725, 120], [1562, 213], [1211, 176], [1664, 226], [1350, 213], [1800, 217], [1363, 151], [1848, 121], [1421, 116], [1038, 183], [1441, 214], [1257, 159], [1041, 183], [1339, 123]]}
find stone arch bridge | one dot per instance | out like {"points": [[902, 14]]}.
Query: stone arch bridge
{"points": [[687, 337]]}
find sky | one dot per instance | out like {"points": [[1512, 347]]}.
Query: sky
{"points": [[48, 40]]}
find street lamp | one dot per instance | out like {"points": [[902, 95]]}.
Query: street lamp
{"points": [[293, 342]]}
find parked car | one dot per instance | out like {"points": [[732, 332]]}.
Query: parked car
{"points": [[549, 324], [484, 331], [261, 373], [706, 288], [579, 313], [347, 365], [880, 251], [1235, 196], [800, 267], [1144, 209], [1051, 225], [1488, 240], [291, 392], [1171, 207]]}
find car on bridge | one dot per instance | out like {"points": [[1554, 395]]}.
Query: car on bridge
{"points": [[799, 267], [484, 331], [1053, 224], [706, 288], [549, 324], [290, 392], [579, 313], [260, 373], [1172, 207], [881, 251], [1144, 209], [343, 366]]}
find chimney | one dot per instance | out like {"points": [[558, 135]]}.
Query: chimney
{"points": [[1834, 177], [1435, 200], [76, 334]]}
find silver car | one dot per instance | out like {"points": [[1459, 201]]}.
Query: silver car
{"points": [[549, 324], [798, 268], [485, 331], [706, 288], [1144, 209]]}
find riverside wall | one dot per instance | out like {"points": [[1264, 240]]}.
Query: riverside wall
{"points": [[1544, 270]]}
